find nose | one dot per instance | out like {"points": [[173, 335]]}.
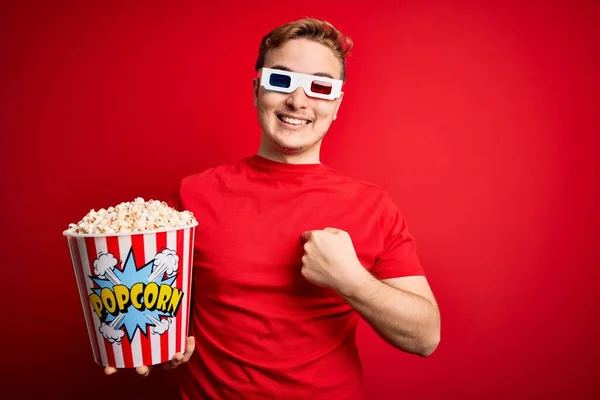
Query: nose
{"points": [[297, 99]]}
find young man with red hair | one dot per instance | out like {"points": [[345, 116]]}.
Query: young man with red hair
{"points": [[290, 254]]}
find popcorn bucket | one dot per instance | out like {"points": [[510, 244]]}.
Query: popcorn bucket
{"points": [[135, 292]]}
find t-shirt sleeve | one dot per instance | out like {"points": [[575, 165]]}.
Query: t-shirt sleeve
{"points": [[174, 200], [398, 257]]}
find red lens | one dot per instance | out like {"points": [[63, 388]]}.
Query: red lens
{"points": [[321, 87]]}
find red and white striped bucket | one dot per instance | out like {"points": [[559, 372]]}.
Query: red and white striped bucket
{"points": [[135, 292]]}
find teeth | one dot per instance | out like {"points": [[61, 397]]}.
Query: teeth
{"points": [[294, 121]]}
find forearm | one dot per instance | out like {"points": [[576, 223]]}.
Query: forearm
{"points": [[405, 320]]}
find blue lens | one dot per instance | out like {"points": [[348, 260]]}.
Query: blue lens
{"points": [[280, 80]]}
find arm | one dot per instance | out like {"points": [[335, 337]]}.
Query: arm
{"points": [[401, 310]]}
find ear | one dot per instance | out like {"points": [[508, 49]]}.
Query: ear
{"points": [[337, 107], [255, 82]]}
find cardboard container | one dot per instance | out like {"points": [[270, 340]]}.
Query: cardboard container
{"points": [[135, 293]]}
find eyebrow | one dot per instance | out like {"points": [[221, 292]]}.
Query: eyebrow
{"points": [[281, 67]]}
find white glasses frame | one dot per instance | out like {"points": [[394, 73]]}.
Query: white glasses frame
{"points": [[304, 81]]}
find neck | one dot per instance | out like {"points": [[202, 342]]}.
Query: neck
{"points": [[305, 156]]}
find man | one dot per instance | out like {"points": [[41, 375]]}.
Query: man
{"points": [[289, 253]]}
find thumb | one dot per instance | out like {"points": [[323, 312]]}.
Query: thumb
{"points": [[335, 231], [306, 235]]}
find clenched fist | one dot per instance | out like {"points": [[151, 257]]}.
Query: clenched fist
{"points": [[330, 260]]}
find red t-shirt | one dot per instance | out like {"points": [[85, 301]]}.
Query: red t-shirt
{"points": [[262, 330]]}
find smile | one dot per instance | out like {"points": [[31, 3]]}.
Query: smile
{"points": [[292, 121]]}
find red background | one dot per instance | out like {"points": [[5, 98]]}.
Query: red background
{"points": [[480, 118]]}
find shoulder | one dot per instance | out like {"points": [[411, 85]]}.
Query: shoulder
{"points": [[386, 206], [380, 201], [361, 187], [209, 177]]}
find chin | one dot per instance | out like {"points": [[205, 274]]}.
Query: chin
{"points": [[292, 142], [289, 149]]}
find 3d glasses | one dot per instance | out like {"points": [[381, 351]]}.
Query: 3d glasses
{"points": [[319, 87]]}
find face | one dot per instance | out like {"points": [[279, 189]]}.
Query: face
{"points": [[294, 123]]}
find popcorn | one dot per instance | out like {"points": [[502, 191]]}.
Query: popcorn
{"points": [[135, 216]]}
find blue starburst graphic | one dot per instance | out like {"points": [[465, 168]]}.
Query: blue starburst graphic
{"points": [[134, 319]]}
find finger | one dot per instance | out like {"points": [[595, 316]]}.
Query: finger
{"points": [[174, 362], [143, 370], [335, 231], [308, 262], [179, 358], [110, 370], [189, 348], [305, 272]]}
